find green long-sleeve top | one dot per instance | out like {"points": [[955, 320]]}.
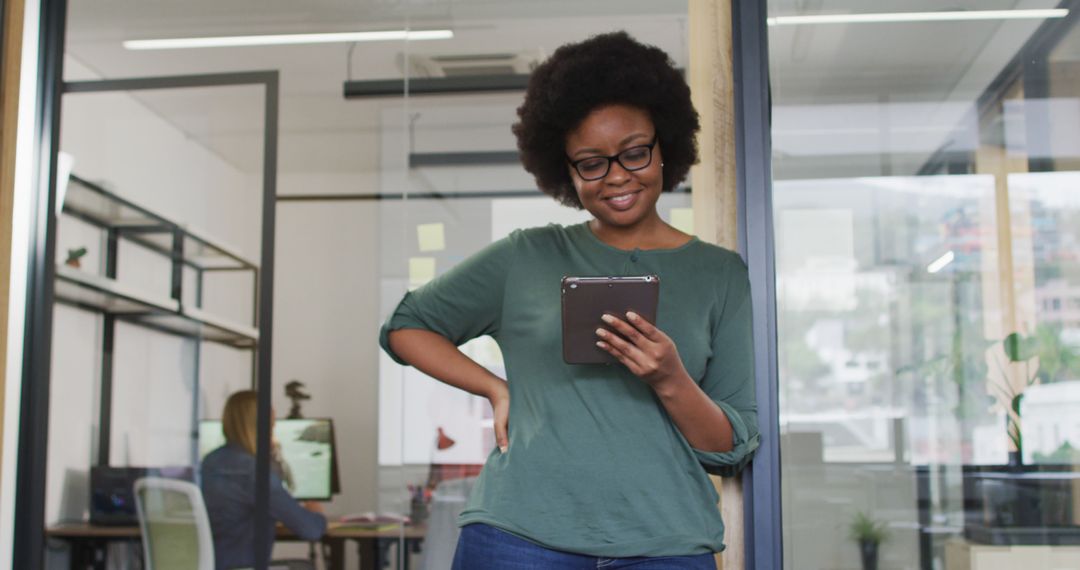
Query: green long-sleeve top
{"points": [[595, 465]]}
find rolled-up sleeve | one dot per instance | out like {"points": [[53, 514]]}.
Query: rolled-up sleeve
{"points": [[729, 377], [461, 304]]}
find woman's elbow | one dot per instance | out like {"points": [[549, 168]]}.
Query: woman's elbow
{"points": [[403, 341], [314, 531]]}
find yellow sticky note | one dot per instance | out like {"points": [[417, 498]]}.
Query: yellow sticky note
{"points": [[421, 270], [683, 219], [432, 237]]}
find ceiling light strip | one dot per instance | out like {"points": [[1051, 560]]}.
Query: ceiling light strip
{"points": [[940, 263], [289, 39], [966, 15]]}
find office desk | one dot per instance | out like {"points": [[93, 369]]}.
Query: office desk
{"points": [[372, 545], [88, 543]]}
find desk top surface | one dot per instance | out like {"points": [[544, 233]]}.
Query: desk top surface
{"points": [[87, 530], [334, 530], [350, 530]]}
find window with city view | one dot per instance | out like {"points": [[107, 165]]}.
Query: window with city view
{"points": [[926, 202]]}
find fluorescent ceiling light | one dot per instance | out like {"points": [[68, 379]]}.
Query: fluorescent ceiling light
{"points": [[289, 39], [965, 15], [941, 262]]}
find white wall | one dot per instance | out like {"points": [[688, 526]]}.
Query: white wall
{"points": [[326, 329]]}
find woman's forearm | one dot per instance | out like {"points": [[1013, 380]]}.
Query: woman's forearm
{"points": [[704, 425], [434, 355]]}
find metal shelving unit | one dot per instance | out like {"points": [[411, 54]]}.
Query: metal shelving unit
{"points": [[107, 296], [185, 248]]}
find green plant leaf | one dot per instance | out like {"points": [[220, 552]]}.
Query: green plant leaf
{"points": [[865, 528], [1020, 348]]}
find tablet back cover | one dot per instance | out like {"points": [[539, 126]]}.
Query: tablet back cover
{"points": [[586, 299]]}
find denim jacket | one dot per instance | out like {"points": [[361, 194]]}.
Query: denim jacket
{"points": [[228, 486]]}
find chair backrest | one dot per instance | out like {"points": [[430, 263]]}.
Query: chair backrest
{"points": [[442, 534], [174, 524]]}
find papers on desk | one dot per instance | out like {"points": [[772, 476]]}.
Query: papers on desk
{"points": [[373, 521]]}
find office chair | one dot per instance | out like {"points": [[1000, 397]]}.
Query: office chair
{"points": [[174, 525], [175, 528], [440, 540]]}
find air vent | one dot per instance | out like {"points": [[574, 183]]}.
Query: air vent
{"points": [[458, 65]]}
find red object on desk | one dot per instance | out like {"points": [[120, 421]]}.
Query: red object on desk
{"points": [[445, 442]]}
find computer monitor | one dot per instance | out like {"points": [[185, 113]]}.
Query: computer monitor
{"points": [[307, 449]]}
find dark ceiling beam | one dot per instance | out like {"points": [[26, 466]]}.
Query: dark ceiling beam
{"points": [[436, 86], [478, 158]]}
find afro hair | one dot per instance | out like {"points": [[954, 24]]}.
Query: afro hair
{"points": [[606, 69]]}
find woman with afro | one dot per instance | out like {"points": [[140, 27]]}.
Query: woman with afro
{"points": [[597, 466]]}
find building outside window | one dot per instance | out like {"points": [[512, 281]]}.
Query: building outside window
{"points": [[926, 222]]}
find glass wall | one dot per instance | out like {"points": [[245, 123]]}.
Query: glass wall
{"points": [[925, 208], [452, 185], [376, 196]]}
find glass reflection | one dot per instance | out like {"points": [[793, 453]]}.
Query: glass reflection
{"points": [[925, 276]]}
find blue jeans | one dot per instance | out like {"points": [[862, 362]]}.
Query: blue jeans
{"points": [[484, 547]]}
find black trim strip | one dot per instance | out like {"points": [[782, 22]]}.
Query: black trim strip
{"points": [[169, 82], [108, 339], [266, 323], [435, 86], [761, 482], [29, 532], [478, 158]]}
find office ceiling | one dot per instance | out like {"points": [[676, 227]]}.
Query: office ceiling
{"points": [[928, 63]]}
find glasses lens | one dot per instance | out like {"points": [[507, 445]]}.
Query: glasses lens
{"points": [[635, 158], [593, 168]]}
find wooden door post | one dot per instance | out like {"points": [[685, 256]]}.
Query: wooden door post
{"points": [[715, 191]]}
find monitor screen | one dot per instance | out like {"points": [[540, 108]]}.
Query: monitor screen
{"points": [[307, 453]]}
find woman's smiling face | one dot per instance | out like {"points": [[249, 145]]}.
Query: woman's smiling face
{"points": [[622, 198]]}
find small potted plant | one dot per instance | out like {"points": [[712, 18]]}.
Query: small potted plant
{"points": [[74, 256], [869, 534]]}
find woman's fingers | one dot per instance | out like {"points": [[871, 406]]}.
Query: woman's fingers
{"points": [[500, 407], [629, 332], [647, 329], [625, 360], [502, 419], [643, 348], [620, 344]]}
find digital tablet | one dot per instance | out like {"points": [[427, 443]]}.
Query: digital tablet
{"points": [[586, 299]]}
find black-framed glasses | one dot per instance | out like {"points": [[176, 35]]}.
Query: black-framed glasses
{"points": [[631, 159]]}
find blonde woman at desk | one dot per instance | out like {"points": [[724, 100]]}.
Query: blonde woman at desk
{"points": [[228, 486], [597, 465]]}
